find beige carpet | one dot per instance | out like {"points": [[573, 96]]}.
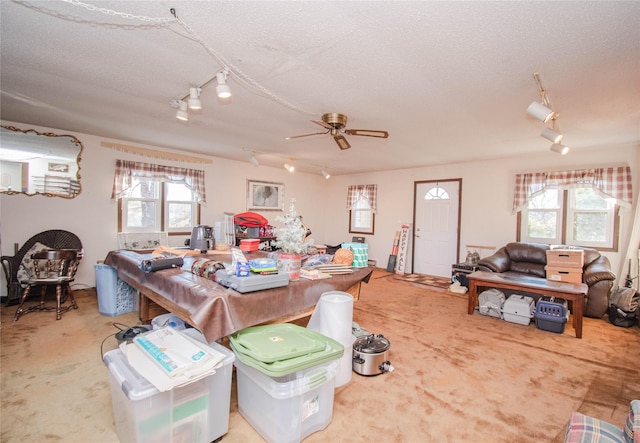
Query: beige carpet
{"points": [[457, 378]]}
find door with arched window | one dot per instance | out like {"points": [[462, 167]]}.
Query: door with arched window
{"points": [[436, 226]]}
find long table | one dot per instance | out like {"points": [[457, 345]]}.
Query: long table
{"points": [[570, 291], [217, 311]]}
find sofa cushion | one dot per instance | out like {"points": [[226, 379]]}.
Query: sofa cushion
{"points": [[534, 269], [584, 429], [528, 252]]}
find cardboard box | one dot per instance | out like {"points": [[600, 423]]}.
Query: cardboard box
{"points": [[565, 258], [567, 275]]}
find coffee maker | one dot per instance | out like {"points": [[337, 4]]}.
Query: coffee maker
{"points": [[202, 238]]}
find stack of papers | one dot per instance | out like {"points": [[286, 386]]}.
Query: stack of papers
{"points": [[169, 358], [334, 269]]}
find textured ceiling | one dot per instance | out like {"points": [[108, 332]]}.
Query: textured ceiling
{"points": [[450, 81]]}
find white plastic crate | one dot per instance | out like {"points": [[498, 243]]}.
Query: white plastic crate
{"points": [[194, 413], [289, 408]]}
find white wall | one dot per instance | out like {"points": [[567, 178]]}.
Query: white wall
{"points": [[487, 192]]}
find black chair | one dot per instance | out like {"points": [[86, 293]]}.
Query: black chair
{"points": [[52, 267], [53, 239]]}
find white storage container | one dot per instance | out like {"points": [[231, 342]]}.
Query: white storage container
{"points": [[197, 412], [288, 408], [519, 309]]}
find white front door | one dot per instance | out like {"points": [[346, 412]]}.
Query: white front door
{"points": [[436, 222]]}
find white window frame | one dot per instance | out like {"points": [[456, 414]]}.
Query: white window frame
{"points": [[161, 215], [565, 213]]}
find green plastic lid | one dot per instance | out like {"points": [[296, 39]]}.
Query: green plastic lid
{"points": [[281, 349]]}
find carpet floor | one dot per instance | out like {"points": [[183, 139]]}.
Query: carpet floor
{"points": [[427, 280], [457, 377]]}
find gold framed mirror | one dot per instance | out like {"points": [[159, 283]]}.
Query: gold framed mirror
{"points": [[39, 163]]}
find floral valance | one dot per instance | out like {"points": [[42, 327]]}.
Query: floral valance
{"points": [[356, 192], [126, 170], [608, 182]]}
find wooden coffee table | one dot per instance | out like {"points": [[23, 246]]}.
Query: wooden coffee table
{"points": [[569, 291]]}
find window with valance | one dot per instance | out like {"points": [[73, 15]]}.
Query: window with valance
{"points": [[614, 182], [126, 171], [356, 193]]}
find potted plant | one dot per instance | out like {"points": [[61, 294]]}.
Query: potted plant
{"points": [[290, 242]]}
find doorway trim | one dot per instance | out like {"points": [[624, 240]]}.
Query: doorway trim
{"points": [[415, 197]]}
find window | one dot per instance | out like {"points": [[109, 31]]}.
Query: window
{"points": [[361, 217], [154, 205], [578, 217]]}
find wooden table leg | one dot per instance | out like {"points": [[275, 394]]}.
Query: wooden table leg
{"points": [[578, 305], [143, 313], [473, 296]]}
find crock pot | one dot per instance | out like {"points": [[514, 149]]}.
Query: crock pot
{"points": [[371, 355]]}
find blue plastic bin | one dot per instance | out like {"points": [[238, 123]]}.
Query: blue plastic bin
{"points": [[115, 296]]}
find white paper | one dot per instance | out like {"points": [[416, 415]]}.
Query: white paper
{"points": [[143, 364], [333, 317]]}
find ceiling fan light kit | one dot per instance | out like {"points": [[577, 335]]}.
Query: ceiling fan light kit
{"points": [[543, 111]]}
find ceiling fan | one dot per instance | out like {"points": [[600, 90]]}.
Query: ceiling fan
{"points": [[335, 123]]}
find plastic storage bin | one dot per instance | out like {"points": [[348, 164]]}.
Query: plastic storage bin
{"points": [[197, 412], [288, 408], [552, 314], [115, 296]]}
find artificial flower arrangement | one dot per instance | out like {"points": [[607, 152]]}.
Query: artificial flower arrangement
{"points": [[290, 238]]}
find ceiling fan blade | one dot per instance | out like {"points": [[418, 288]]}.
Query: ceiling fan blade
{"points": [[305, 135], [342, 142], [367, 132], [323, 124]]}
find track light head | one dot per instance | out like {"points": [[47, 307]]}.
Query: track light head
{"points": [[551, 135], [253, 160], [560, 149], [222, 89], [540, 112], [194, 99], [325, 174], [289, 167], [182, 113]]}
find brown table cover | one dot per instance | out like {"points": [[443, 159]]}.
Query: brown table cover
{"points": [[217, 311]]}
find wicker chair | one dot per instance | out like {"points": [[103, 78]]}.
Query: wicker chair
{"points": [[53, 239]]}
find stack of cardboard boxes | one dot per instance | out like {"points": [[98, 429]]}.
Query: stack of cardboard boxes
{"points": [[565, 265]]}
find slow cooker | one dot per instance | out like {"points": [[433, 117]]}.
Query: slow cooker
{"points": [[371, 355]]}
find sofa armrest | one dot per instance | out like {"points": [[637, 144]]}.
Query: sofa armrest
{"points": [[498, 262], [598, 270]]}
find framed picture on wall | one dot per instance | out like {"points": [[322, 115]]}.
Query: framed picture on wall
{"points": [[265, 196], [59, 167]]}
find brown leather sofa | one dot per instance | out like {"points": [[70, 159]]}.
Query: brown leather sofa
{"points": [[519, 258]]}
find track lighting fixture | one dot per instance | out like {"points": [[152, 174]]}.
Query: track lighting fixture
{"points": [[289, 166], [560, 149], [253, 160], [542, 111], [222, 90], [325, 174], [551, 135], [194, 98], [182, 113]]}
